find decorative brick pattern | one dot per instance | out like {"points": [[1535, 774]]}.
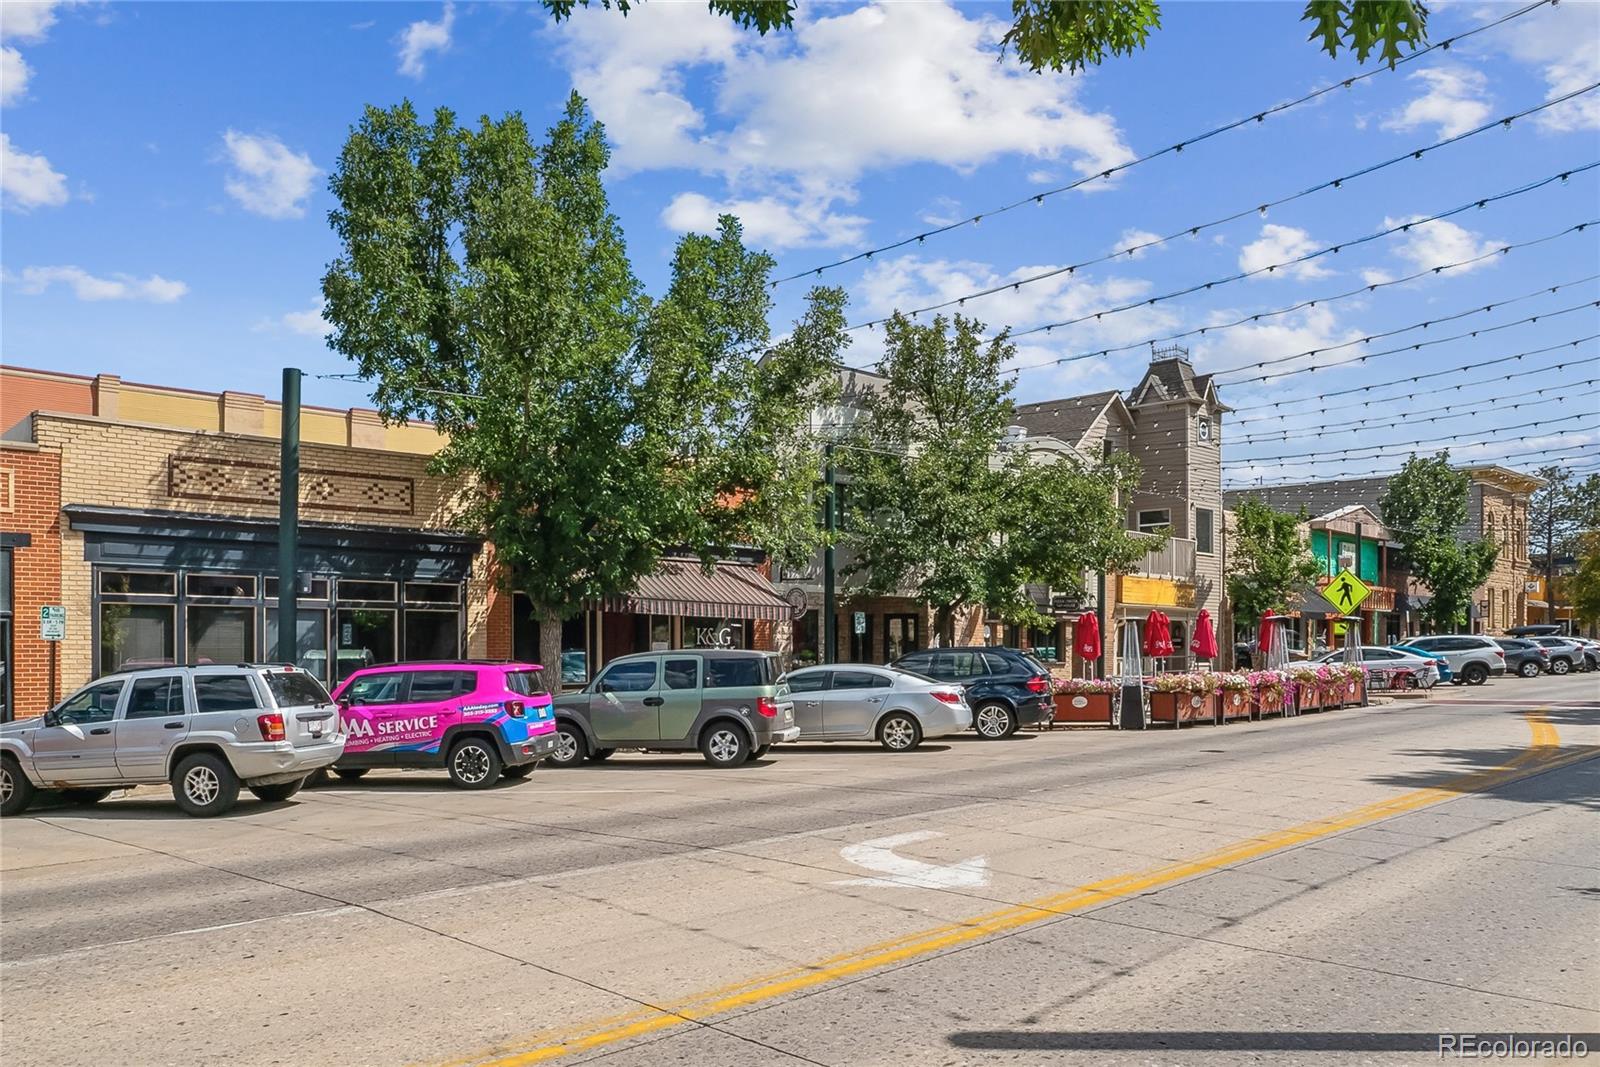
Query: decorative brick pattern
{"points": [[245, 482]]}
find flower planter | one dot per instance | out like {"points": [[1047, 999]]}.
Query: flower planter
{"points": [[1308, 698], [1179, 708], [1083, 708], [1268, 703], [1237, 704], [1354, 693]]}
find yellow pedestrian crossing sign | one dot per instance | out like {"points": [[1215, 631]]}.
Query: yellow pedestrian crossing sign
{"points": [[1346, 592]]}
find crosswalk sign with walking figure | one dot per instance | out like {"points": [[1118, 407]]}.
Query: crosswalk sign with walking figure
{"points": [[1346, 592]]}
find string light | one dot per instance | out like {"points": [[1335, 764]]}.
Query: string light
{"points": [[1175, 149], [1346, 453], [1310, 488], [1424, 415]]}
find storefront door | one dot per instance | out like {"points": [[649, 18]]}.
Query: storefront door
{"points": [[366, 636], [901, 634]]}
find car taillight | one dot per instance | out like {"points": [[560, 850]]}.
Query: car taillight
{"points": [[767, 707], [271, 725], [1545, 652], [1500, 653], [945, 696], [1037, 684], [514, 708]]}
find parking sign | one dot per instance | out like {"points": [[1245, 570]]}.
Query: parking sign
{"points": [[52, 622]]}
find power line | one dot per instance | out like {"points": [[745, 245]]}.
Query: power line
{"points": [[1343, 454], [1194, 230], [1176, 148], [1362, 290], [1378, 423]]}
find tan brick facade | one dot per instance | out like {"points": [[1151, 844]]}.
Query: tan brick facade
{"points": [[30, 506]]}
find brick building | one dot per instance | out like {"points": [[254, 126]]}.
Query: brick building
{"points": [[30, 573]]}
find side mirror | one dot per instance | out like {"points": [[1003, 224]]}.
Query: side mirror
{"points": [[52, 718], [344, 703]]}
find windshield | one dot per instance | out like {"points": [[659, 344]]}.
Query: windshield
{"points": [[291, 689]]}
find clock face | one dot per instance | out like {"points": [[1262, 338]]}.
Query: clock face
{"points": [[1205, 429]]}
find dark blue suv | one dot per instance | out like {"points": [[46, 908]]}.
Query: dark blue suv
{"points": [[1005, 688]]}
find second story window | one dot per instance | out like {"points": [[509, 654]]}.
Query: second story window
{"points": [[1203, 519], [1151, 521]]}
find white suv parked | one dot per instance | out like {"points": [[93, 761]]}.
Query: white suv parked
{"points": [[1473, 657], [207, 730]]}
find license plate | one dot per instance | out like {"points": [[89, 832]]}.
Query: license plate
{"points": [[788, 715], [316, 729]]}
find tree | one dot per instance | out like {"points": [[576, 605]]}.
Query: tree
{"points": [[1426, 506], [1559, 512], [1073, 35], [941, 510], [1585, 584], [1268, 560], [483, 284]]}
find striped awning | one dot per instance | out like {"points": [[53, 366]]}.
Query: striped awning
{"points": [[681, 587]]}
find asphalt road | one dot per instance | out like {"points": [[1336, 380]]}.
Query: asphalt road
{"points": [[1336, 888]]}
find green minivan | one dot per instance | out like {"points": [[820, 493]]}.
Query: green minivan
{"points": [[730, 704]]}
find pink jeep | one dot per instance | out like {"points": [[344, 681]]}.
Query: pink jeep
{"points": [[476, 720]]}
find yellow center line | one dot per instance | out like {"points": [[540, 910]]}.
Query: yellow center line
{"points": [[1541, 755]]}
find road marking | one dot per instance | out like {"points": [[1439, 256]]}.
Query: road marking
{"points": [[1541, 755], [879, 855]]}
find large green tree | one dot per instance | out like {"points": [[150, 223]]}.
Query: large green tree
{"points": [[1073, 35], [1585, 583], [1268, 560], [1559, 513], [483, 283], [945, 508], [1426, 507]]}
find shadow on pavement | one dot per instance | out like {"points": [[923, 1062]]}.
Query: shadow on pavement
{"points": [[1568, 784]]}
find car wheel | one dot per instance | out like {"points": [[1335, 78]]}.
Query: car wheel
{"points": [[1529, 669], [1559, 666], [760, 750], [570, 748], [16, 792], [204, 785], [351, 774], [282, 791], [994, 721], [473, 764], [84, 797], [723, 745], [1475, 674], [900, 732], [521, 770], [600, 755]]}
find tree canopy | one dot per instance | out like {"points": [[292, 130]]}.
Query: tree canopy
{"points": [[1426, 507], [1268, 560], [1073, 35], [483, 283]]}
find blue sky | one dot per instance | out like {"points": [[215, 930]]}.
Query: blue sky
{"points": [[165, 186]]}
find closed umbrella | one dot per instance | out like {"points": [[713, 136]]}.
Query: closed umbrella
{"points": [[1152, 635], [1086, 636], [1205, 637], [1264, 639], [1166, 635]]}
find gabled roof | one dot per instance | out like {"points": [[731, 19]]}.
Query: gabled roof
{"points": [[1173, 378], [1069, 418]]}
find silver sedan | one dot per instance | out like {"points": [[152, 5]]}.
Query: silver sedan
{"points": [[861, 702]]}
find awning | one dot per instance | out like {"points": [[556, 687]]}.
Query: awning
{"points": [[681, 587]]}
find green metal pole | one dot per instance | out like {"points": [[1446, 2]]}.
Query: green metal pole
{"points": [[830, 523], [289, 519]]}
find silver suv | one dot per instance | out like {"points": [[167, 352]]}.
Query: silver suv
{"points": [[1473, 658], [207, 730]]}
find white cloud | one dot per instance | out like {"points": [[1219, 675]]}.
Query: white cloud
{"points": [[1278, 244], [844, 93], [14, 73], [1431, 244], [308, 323], [85, 286], [28, 181], [1131, 238], [1560, 42], [268, 178], [1374, 276], [1291, 334], [1456, 101], [944, 211], [769, 221], [26, 20], [422, 37]]}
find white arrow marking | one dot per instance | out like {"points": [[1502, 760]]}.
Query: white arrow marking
{"points": [[879, 855]]}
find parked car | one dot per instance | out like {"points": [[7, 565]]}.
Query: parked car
{"points": [[476, 720], [730, 704], [1445, 673], [207, 730], [1006, 688], [1474, 659], [1591, 652], [857, 702], [1424, 668], [1523, 657], [1565, 655]]}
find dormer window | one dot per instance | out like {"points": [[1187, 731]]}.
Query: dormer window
{"points": [[1203, 428]]}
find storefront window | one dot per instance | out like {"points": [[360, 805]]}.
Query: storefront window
{"points": [[137, 583], [221, 634], [1043, 644], [136, 635], [901, 634], [806, 638], [652, 633], [366, 636], [310, 640], [433, 634], [705, 632]]}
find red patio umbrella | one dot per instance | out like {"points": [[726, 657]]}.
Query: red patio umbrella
{"points": [[1264, 638], [1087, 636], [1204, 644], [1166, 634], [1153, 641]]}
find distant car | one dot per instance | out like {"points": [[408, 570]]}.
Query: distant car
{"points": [[207, 730], [475, 720], [731, 704], [1525, 658], [1445, 674], [1565, 655], [1474, 658], [1591, 652], [857, 702], [1005, 687], [1424, 668]]}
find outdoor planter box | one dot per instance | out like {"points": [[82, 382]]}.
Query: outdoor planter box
{"points": [[1353, 693], [1308, 698], [1237, 704], [1083, 708], [1179, 708], [1265, 707]]}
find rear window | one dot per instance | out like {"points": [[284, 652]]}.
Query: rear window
{"points": [[294, 689], [524, 682], [224, 692], [744, 672]]}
